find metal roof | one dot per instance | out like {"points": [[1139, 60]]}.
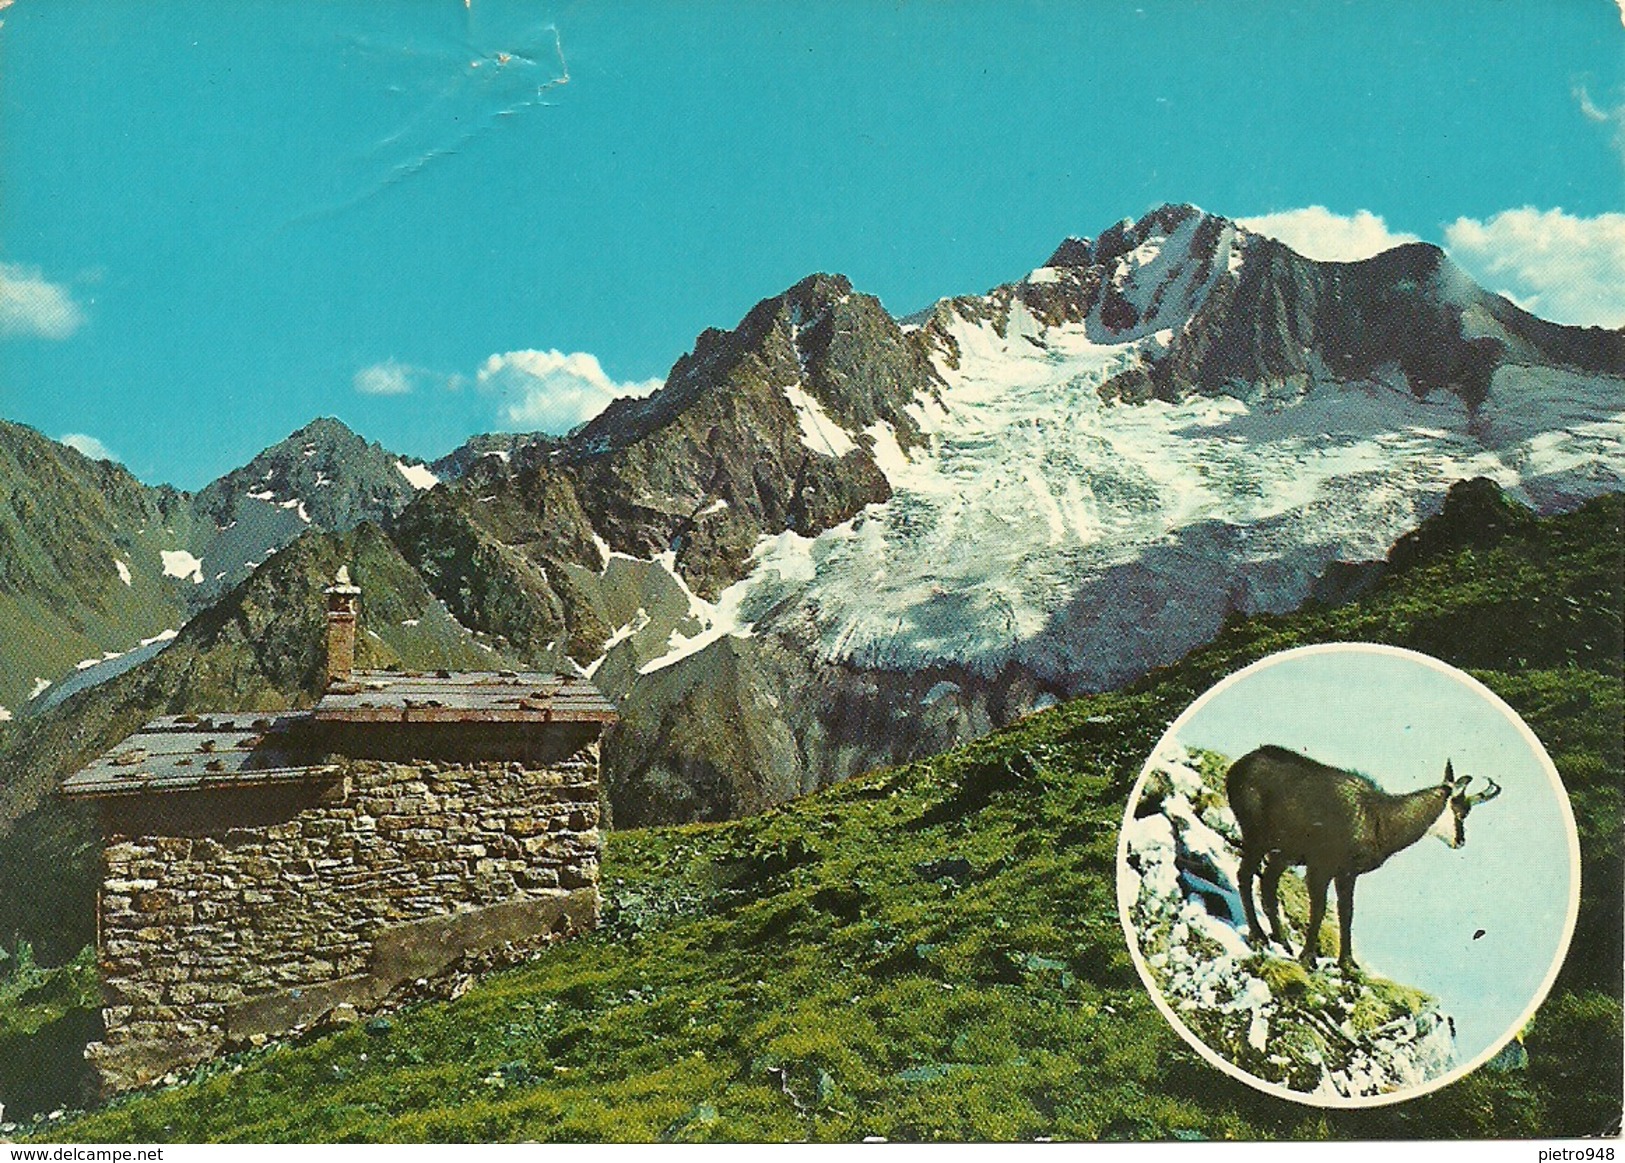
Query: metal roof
{"points": [[468, 697], [195, 752]]}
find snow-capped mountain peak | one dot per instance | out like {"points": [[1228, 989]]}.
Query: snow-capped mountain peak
{"points": [[1145, 278], [1071, 501], [864, 538]]}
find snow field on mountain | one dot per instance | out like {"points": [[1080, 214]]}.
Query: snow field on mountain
{"points": [[785, 558], [1161, 278], [819, 432], [1089, 540], [1032, 488], [1562, 433]]}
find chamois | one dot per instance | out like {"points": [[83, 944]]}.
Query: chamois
{"points": [[1337, 824]]}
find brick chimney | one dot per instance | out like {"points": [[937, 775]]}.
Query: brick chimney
{"points": [[343, 600]]}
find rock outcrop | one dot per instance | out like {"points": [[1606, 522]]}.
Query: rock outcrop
{"points": [[1320, 1032]]}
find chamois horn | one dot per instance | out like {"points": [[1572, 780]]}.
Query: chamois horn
{"points": [[1487, 794]]}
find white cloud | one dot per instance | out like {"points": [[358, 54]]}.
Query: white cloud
{"points": [[547, 390], [552, 391], [1561, 267], [90, 446], [30, 304], [390, 378], [1318, 233]]}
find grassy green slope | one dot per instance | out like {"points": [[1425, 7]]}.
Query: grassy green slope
{"points": [[933, 951]]}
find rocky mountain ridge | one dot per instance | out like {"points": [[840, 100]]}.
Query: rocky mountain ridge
{"points": [[99, 571], [1048, 528], [322, 476], [835, 539]]}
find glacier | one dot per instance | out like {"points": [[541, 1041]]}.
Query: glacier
{"points": [[1053, 526], [1088, 539]]}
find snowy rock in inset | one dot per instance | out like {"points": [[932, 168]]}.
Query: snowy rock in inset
{"points": [[1321, 1032]]}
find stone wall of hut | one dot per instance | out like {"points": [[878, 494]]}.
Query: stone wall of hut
{"points": [[228, 916]]}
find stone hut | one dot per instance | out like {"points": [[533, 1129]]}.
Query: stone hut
{"points": [[262, 872]]}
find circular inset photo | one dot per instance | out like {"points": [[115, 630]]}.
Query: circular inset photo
{"points": [[1348, 875]]}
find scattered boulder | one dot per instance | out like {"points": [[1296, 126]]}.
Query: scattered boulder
{"points": [[343, 1014]]}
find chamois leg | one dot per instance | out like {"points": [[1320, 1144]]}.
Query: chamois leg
{"points": [[1318, 881], [1244, 876], [1345, 922], [1269, 887]]}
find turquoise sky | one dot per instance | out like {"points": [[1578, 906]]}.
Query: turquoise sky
{"points": [[219, 220], [1399, 720]]}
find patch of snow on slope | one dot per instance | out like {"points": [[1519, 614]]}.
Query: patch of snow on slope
{"points": [[888, 455], [296, 503], [5, 715], [1233, 256], [819, 432], [786, 556], [417, 475], [180, 564], [263, 495], [639, 620], [123, 571], [94, 671]]}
